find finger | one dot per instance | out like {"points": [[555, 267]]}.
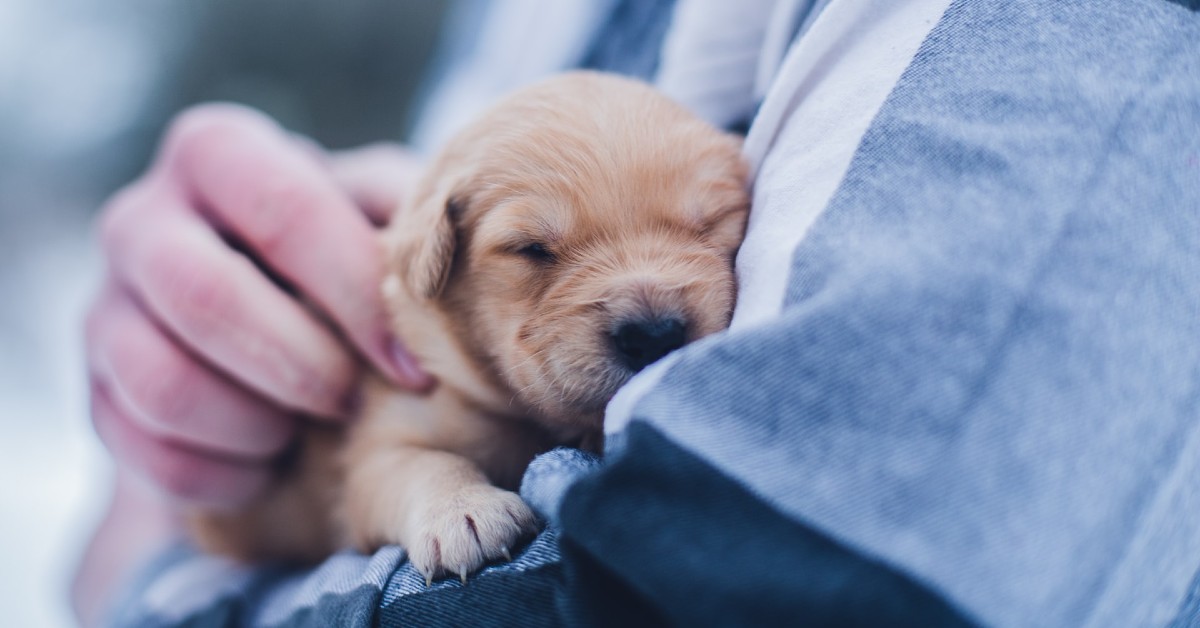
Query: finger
{"points": [[181, 473], [171, 394], [286, 208], [377, 177], [220, 306]]}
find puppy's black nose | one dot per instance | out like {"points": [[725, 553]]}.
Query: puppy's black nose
{"points": [[640, 342]]}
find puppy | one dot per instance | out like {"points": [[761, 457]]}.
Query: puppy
{"points": [[574, 234]]}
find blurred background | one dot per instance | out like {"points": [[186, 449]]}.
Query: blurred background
{"points": [[86, 87]]}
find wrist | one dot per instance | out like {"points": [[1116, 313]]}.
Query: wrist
{"points": [[137, 525]]}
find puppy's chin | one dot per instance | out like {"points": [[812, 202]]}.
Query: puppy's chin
{"points": [[567, 394]]}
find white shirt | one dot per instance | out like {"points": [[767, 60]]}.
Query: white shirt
{"points": [[821, 93]]}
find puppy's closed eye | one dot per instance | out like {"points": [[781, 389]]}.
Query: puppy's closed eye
{"points": [[537, 252]]}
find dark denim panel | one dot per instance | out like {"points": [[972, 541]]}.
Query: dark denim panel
{"points": [[520, 592], [594, 595], [504, 597], [676, 536], [353, 609], [350, 609], [226, 615]]}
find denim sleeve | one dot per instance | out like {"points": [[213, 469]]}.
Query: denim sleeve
{"points": [[985, 376]]}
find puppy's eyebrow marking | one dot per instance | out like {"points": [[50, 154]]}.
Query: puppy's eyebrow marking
{"points": [[518, 223]]}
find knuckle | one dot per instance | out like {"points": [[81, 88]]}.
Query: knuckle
{"points": [[281, 204], [198, 129], [193, 290], [216, 118], [156, 381], [160, 388]]}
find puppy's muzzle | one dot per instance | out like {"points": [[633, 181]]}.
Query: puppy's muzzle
{"points": [[642, 341]]}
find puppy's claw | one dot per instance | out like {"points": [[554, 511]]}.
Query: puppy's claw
{"points": [[428, 581], [462, 573], [506, 554]]}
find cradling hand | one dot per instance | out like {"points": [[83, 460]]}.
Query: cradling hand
{"points": [[242, 292]]}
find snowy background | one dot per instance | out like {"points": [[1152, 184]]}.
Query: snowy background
{"points": [[85, 88]]}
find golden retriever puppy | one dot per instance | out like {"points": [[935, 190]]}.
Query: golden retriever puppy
{"points": [[574, 234]]}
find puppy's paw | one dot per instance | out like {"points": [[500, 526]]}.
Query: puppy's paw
{"points": [[460, 532]]}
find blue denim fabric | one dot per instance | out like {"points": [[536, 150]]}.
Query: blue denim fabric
{"points": [[185, 587], [550, 475], [987, 372]]}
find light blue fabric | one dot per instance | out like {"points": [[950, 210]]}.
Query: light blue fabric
{"points": [[348, 589], [988, 369], [550, 475]]}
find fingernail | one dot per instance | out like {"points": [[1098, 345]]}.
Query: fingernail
{"points": [[407, 368]]}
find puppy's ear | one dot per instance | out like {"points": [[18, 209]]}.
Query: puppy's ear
{"points": [[421, 241]]}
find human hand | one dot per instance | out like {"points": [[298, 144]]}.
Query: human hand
{"points": [[242, 287]]}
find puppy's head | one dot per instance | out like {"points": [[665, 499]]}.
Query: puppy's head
{"points": [[578, 232]]}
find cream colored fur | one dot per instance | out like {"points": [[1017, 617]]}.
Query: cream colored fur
{"points": [[639, 208]]}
